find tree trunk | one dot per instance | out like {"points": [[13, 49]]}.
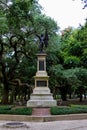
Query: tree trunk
{"points": [[12, 96], [69, 95], [63, 93], [5, 95], [64, 97], [84, 95], [5, 83], [80, 97]]}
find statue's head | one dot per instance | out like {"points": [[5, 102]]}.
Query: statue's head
{"points": [[42, 35]]}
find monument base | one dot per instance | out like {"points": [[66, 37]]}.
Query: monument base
{"points": [[41, 97]]}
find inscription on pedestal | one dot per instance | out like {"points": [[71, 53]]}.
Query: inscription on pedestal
{"points": [[41, 83], [41, 65]]}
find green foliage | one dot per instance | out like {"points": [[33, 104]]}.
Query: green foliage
{"points": [[71, 61], [84, 58], [74, 53], [76, 49], [56, 70], [7, 107], [81, 74], [74, 42], [68, 110], [21, 111], [71, 77], [3, 25], [45, 23], [20, 21], [78, 106], [56, 75], [16, 111]]}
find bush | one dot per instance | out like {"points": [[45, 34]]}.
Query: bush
{"points": [[21, 111], [17, 111], [6, 107], [68, 110]]}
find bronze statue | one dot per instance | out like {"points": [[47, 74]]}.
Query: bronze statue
{"points": [[43, 40]]}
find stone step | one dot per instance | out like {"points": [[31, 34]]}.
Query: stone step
{"points": [[41, 90], [41, 97], [41, 103], [41, 94]]}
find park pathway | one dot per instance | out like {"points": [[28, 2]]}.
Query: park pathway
{"points": [[55, 125]]}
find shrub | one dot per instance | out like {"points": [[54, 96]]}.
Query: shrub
{"points": [[17, 111], [68, 110], [8, 107], [21, 111]]}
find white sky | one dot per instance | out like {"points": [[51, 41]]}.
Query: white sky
{"points": [[65, 12]]}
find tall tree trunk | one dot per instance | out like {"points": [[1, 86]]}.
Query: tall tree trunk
{"points": [[63, 93], [64, 96], [69, 95], [84, 95], [12, 96], [6, 85], [80, 97], [5, 94]]}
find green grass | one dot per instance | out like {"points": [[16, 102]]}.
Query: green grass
{"points": [[17, 111], [78, 106], [73, 109]]}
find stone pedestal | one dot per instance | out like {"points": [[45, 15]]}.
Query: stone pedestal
{"points": [[41, 96]]}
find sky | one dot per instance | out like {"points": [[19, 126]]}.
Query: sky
{"points": [[65, 12]]}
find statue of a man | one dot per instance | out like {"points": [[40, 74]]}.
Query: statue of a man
{"points": [[43, 41], [41, 44]]}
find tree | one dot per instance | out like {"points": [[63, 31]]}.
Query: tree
{"points": [[18, 41], [12, 41], [74, 56], [81, 74], [15, 19], [82, 38]]}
